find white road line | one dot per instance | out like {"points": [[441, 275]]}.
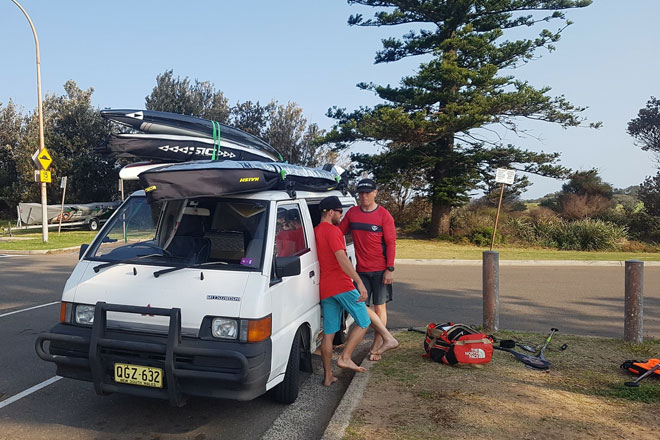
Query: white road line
{"points": [[29, 308], [29, 391]]}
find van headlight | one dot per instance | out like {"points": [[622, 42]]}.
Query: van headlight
{"points": [[84, 314], [224, 328]]}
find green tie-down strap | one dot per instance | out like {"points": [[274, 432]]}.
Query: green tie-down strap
{"points": [[216, 139]]}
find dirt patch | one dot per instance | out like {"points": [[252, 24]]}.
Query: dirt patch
{"points": [[582, 396]]}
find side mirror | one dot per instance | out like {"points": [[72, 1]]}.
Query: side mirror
{"points": [[83, 248], [287, 266]]}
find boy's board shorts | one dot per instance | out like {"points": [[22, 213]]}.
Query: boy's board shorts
{"points": [[379, 293], [334, 306]]}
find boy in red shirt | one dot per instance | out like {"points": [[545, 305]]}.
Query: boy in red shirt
{"points": [[338, 293]]}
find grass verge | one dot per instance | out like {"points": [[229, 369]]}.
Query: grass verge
{"points": [[405, 248], [28, 241], [582, 396]]}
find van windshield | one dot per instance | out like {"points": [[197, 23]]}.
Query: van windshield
{"points": [[185, 233]]}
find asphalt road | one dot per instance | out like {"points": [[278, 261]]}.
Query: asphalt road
{"points": [[579, 300]]}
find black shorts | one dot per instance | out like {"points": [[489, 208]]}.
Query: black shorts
{"points": [[378, 292]]}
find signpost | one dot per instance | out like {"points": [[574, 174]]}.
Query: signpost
{"points": [[44, 199], [505, 177]]}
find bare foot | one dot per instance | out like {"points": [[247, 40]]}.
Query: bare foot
{"points": [[327, 382], [350, 365], [374, 357], [390, 344]]}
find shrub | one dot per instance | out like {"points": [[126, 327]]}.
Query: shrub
{"points": [[482, 236], [588, 235], [578, 206]]}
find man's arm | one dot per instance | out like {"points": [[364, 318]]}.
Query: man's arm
{"points": [[389, 236], [349, 270]]}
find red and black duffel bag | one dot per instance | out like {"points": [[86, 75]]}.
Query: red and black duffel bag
{"points": [[457, 344]]}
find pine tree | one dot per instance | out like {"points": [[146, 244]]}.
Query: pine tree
{"points": [[428, 122]]}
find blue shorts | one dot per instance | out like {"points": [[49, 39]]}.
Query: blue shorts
{"points": [[332, 310]]}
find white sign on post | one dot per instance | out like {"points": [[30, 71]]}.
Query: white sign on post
{"points": [[63, 182], [502, 175]]}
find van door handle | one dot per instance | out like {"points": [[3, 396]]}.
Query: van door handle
{"points": [[311, 274]]}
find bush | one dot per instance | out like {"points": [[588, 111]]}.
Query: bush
{"points": [[588, 235], [578, 206], [482, 236]]}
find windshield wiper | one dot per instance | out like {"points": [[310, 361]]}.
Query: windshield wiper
{"points": [[187, 266], [129, 260]]}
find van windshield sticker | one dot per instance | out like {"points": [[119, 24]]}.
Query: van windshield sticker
{"points": [[247, 261], [223, 298]]}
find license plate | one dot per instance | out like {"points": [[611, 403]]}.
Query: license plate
{"points": [[139, 375]]}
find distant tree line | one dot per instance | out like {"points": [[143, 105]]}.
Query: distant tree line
{"points": [[75, 133]]}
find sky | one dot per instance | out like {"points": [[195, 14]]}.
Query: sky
{"points": [[304, 52]]}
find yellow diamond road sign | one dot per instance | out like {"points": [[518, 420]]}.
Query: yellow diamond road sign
{"points": [[44, 158]]}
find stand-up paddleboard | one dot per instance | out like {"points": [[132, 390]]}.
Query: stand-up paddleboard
{"points": [[155, 122], [177, 148], [217, 178]]}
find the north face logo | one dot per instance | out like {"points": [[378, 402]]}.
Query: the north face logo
{"points": [[476, 353]]}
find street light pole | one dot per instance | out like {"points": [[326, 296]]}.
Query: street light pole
{"points": [[44, 201]]}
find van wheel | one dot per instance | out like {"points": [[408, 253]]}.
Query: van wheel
{"points": [[93, 224], [287, 390]]}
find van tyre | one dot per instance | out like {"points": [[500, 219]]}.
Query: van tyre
{"points": [[93, 225], [287, 390]]}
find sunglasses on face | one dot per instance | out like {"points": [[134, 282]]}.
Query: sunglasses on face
{"points": [[339, 210]]}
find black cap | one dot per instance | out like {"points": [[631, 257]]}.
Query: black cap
{"points": [[329, 203], [366, 185]]}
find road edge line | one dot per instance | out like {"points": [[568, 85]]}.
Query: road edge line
{"points": [[29, 391], [29, 308]]}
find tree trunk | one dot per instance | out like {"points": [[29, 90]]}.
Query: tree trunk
{"points": [[440, 208], [440, 215]]}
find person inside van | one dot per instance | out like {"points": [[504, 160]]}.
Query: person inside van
{"points": [[291, 239], [338, 293]]}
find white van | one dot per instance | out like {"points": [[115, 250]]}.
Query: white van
{"points": [[206, 295]]}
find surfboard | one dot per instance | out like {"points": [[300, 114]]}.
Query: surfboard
{"points": [[217, 178], [155, 122], [179, 148]]}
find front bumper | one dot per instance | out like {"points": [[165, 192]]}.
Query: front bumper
{"points": [[191, 366]]}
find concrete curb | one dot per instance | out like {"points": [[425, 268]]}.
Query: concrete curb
{"points": [[40, 251], [404, 261], [429, 262], [352, 397]]}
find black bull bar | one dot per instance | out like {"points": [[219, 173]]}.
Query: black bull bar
{"points": [[98, 340]]}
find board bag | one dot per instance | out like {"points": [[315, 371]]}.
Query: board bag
{"points": [[639, 368], [457, 344]]}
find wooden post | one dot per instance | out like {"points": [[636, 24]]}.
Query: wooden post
{"points": [[497, 217], [491, 290], [633, 325]]}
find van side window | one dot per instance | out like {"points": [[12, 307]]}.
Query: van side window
{"points": [[290, 232]]}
